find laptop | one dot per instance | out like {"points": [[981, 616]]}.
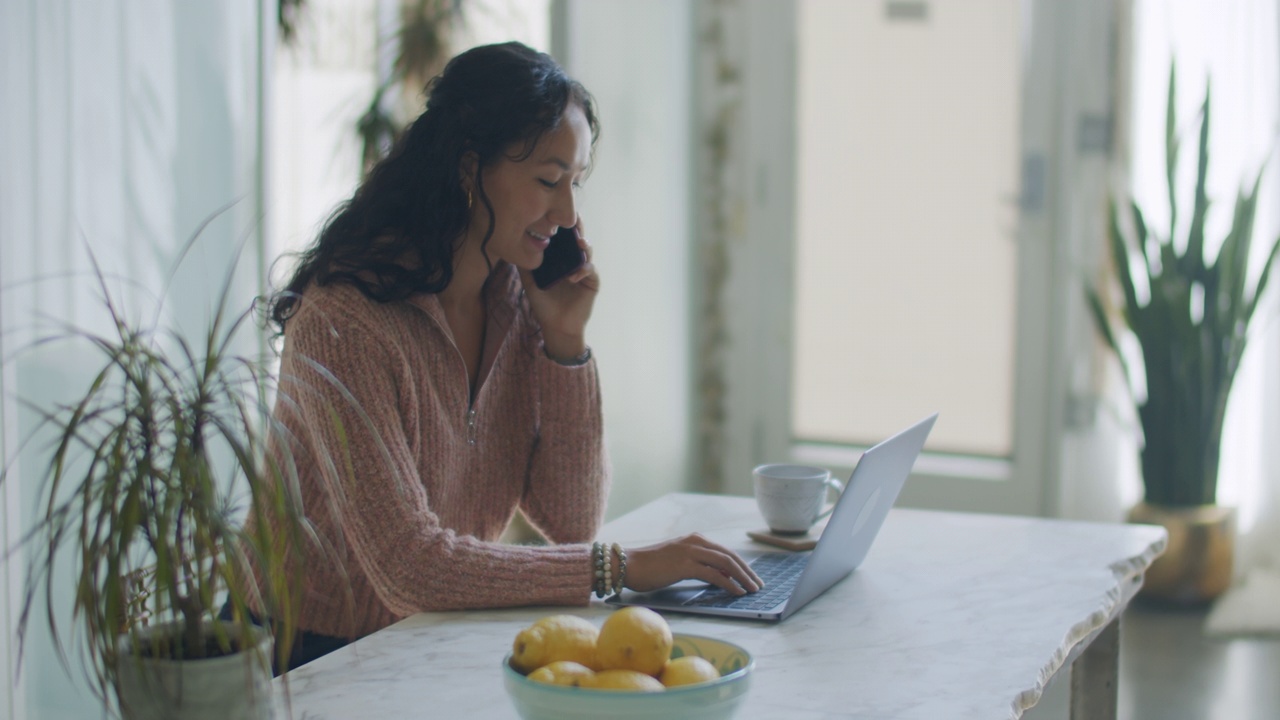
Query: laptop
{"points": [[793, 579]]}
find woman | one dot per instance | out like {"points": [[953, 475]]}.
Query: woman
{"points": [[432, 389]]}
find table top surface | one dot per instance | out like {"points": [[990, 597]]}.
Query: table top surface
{"points": [[952, 615]]}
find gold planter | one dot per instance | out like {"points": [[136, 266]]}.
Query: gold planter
{"points": [[1196, 566]]}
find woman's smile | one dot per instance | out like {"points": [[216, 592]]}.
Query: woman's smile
{"points": [[539, 241]]}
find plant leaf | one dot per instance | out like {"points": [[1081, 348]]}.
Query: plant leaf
{"points": [[1193, 265], [1104, 328], [1171, 145], [1120, 258]]}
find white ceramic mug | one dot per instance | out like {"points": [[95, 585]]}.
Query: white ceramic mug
{"points": [[791, 497]]}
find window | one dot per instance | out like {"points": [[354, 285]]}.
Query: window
{"points": [[906, 223]]}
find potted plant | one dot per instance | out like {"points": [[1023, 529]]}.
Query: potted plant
{"points": [[1191, 318], [152, 472]]}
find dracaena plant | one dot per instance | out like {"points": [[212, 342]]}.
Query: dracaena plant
{"points": [[1191, 318], [152, 473]]}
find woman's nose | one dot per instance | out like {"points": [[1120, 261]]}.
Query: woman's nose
{"points": [[564, 209]]}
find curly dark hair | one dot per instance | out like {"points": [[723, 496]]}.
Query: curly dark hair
{"points": [[395, 237]]}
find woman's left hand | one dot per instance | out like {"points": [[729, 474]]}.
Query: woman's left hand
{"points": [[564, 308]]}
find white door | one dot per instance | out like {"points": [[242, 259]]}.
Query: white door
{"points": [[897, 252]]}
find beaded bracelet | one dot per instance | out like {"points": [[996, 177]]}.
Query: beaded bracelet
{"points": [[619, 581], [603, 571]]}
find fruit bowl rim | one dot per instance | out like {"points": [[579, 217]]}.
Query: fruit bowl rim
{"points": [[734, 676]]}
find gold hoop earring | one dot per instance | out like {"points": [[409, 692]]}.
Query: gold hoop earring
{"points": [[470, 200]]}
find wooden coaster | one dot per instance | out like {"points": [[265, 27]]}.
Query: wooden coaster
{"points": [[807, 541]]}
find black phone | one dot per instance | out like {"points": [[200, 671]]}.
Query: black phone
{"points": [[560, 259]]}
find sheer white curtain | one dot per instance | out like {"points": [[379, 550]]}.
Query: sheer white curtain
{"points": [[1234, 45], [123, 125]]}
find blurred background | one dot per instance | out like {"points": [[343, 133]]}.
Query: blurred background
{"points": [[816, 221]]}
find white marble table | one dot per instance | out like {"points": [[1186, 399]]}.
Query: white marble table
{"points": [[951, 616]]}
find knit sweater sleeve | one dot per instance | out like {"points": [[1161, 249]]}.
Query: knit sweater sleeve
{"points": [[354, 398], [569, 474]]}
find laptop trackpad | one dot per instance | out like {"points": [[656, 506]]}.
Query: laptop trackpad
{"points": [[675, 595]]}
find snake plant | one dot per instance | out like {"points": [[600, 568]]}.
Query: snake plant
{"points": [[1190, 317]]}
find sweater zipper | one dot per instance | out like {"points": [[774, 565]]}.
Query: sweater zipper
{"points": [[471, 410]]}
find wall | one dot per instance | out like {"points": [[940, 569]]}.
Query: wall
{"points": [[124, 124], [635, 59]]}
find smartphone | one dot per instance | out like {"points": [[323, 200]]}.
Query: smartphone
{"points": [[561, 258]]}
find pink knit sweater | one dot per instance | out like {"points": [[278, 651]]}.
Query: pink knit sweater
{"points": [[413, 500]]}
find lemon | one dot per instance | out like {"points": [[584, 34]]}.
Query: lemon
{"points": [[688, 670], [563, 672], [634, 638], [555, 638], [624, 680]]}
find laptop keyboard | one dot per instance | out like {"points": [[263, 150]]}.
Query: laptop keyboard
{"points": [[780, 571]]}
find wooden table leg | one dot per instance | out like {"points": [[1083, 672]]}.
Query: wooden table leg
{"points": [[1095, 675]]}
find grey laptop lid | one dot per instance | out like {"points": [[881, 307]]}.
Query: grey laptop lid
{"points": [[856, 520]]}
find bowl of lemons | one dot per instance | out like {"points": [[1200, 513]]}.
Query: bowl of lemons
{"points": [[563, 668]]}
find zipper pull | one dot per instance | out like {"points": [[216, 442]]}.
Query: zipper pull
{"points": [[471, 427]]}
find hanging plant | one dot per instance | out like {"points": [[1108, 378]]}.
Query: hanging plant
{"points": [[424, 45]]}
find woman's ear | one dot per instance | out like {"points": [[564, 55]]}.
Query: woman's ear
{"points": [[467, 170]]}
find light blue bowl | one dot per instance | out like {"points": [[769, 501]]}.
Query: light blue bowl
{"points": [[715, 700]]}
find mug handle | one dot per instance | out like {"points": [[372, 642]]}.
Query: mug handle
{"points": [[832, 484]]}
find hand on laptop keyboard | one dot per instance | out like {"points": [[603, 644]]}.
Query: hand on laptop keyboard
{"points": [[692, 557], [780, 571]]}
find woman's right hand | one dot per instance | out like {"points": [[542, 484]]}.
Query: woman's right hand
{"points": [[562, 311], [692, 557]]}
